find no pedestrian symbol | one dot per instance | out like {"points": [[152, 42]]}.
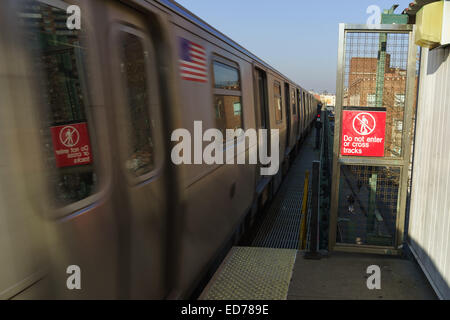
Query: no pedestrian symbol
{"points": [[363, 133], [364, 123], [69, 136]]}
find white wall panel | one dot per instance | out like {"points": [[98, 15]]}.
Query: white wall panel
{"points": [[429, 223]]}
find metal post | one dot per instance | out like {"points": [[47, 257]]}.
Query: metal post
{"points": [[318, 125], [372, 204], [314, 221], [381, 68], [302, 238]]}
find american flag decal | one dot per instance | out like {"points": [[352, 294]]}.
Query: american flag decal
{"points": [[192, 61]]}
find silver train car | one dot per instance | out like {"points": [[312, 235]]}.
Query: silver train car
{"points": [[86, 120]]}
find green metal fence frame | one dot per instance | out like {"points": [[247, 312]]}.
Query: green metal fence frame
{"points": [[402, 162]]}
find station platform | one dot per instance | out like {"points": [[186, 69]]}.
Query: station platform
{"points": [[273, 267], [251, 273]]}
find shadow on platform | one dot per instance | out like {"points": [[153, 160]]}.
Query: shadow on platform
{"points": [[343, 276]]}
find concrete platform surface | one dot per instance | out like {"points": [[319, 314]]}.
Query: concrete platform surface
{"points": [[344, 276]]}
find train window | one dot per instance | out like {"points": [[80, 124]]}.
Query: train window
{"points": [[227, 97], [134, 62], [226, 77], [57, 55], [277, 102]]}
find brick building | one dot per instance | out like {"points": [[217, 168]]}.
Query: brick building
{"points": [[361, 92]]}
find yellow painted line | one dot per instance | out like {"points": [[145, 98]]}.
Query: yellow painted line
{"points": [[302, 238]]}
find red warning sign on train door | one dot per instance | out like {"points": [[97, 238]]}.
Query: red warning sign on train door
{"points": [[363, 133], [71, 145]]}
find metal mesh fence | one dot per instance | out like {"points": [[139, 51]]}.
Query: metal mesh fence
{"points": [[368, 205], [375, 76]]}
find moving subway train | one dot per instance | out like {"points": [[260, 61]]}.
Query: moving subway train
{"points": [[86, 117]]}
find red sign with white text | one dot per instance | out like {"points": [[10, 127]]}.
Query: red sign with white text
{"points": [[71, 145], [363, 133]]}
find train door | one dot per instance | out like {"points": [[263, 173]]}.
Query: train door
{"points": [[261, 96], [299, 115], [65, 141], [23, 245], [261, 110], [305, 113], [309, 110], [294, 117], [138, 153], [287, 95]]}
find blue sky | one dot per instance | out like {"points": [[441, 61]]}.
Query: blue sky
{"points": [[297, 37]]}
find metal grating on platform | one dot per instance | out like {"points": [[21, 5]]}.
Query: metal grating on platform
{"points": [[281, 226], [252, 274]]}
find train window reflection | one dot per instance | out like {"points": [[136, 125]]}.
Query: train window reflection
{"points": [[227, 98], [58, 59], [139, 127], [228, 109], [277, 102], [226, 77]]}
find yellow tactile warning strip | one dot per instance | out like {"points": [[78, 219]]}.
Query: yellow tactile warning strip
{"points": [[252, 274]]}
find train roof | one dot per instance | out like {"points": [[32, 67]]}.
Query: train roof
{"points": [[180, 10]]}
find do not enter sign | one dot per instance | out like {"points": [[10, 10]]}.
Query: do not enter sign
{"points": [[363, 133], [71, 145]]}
